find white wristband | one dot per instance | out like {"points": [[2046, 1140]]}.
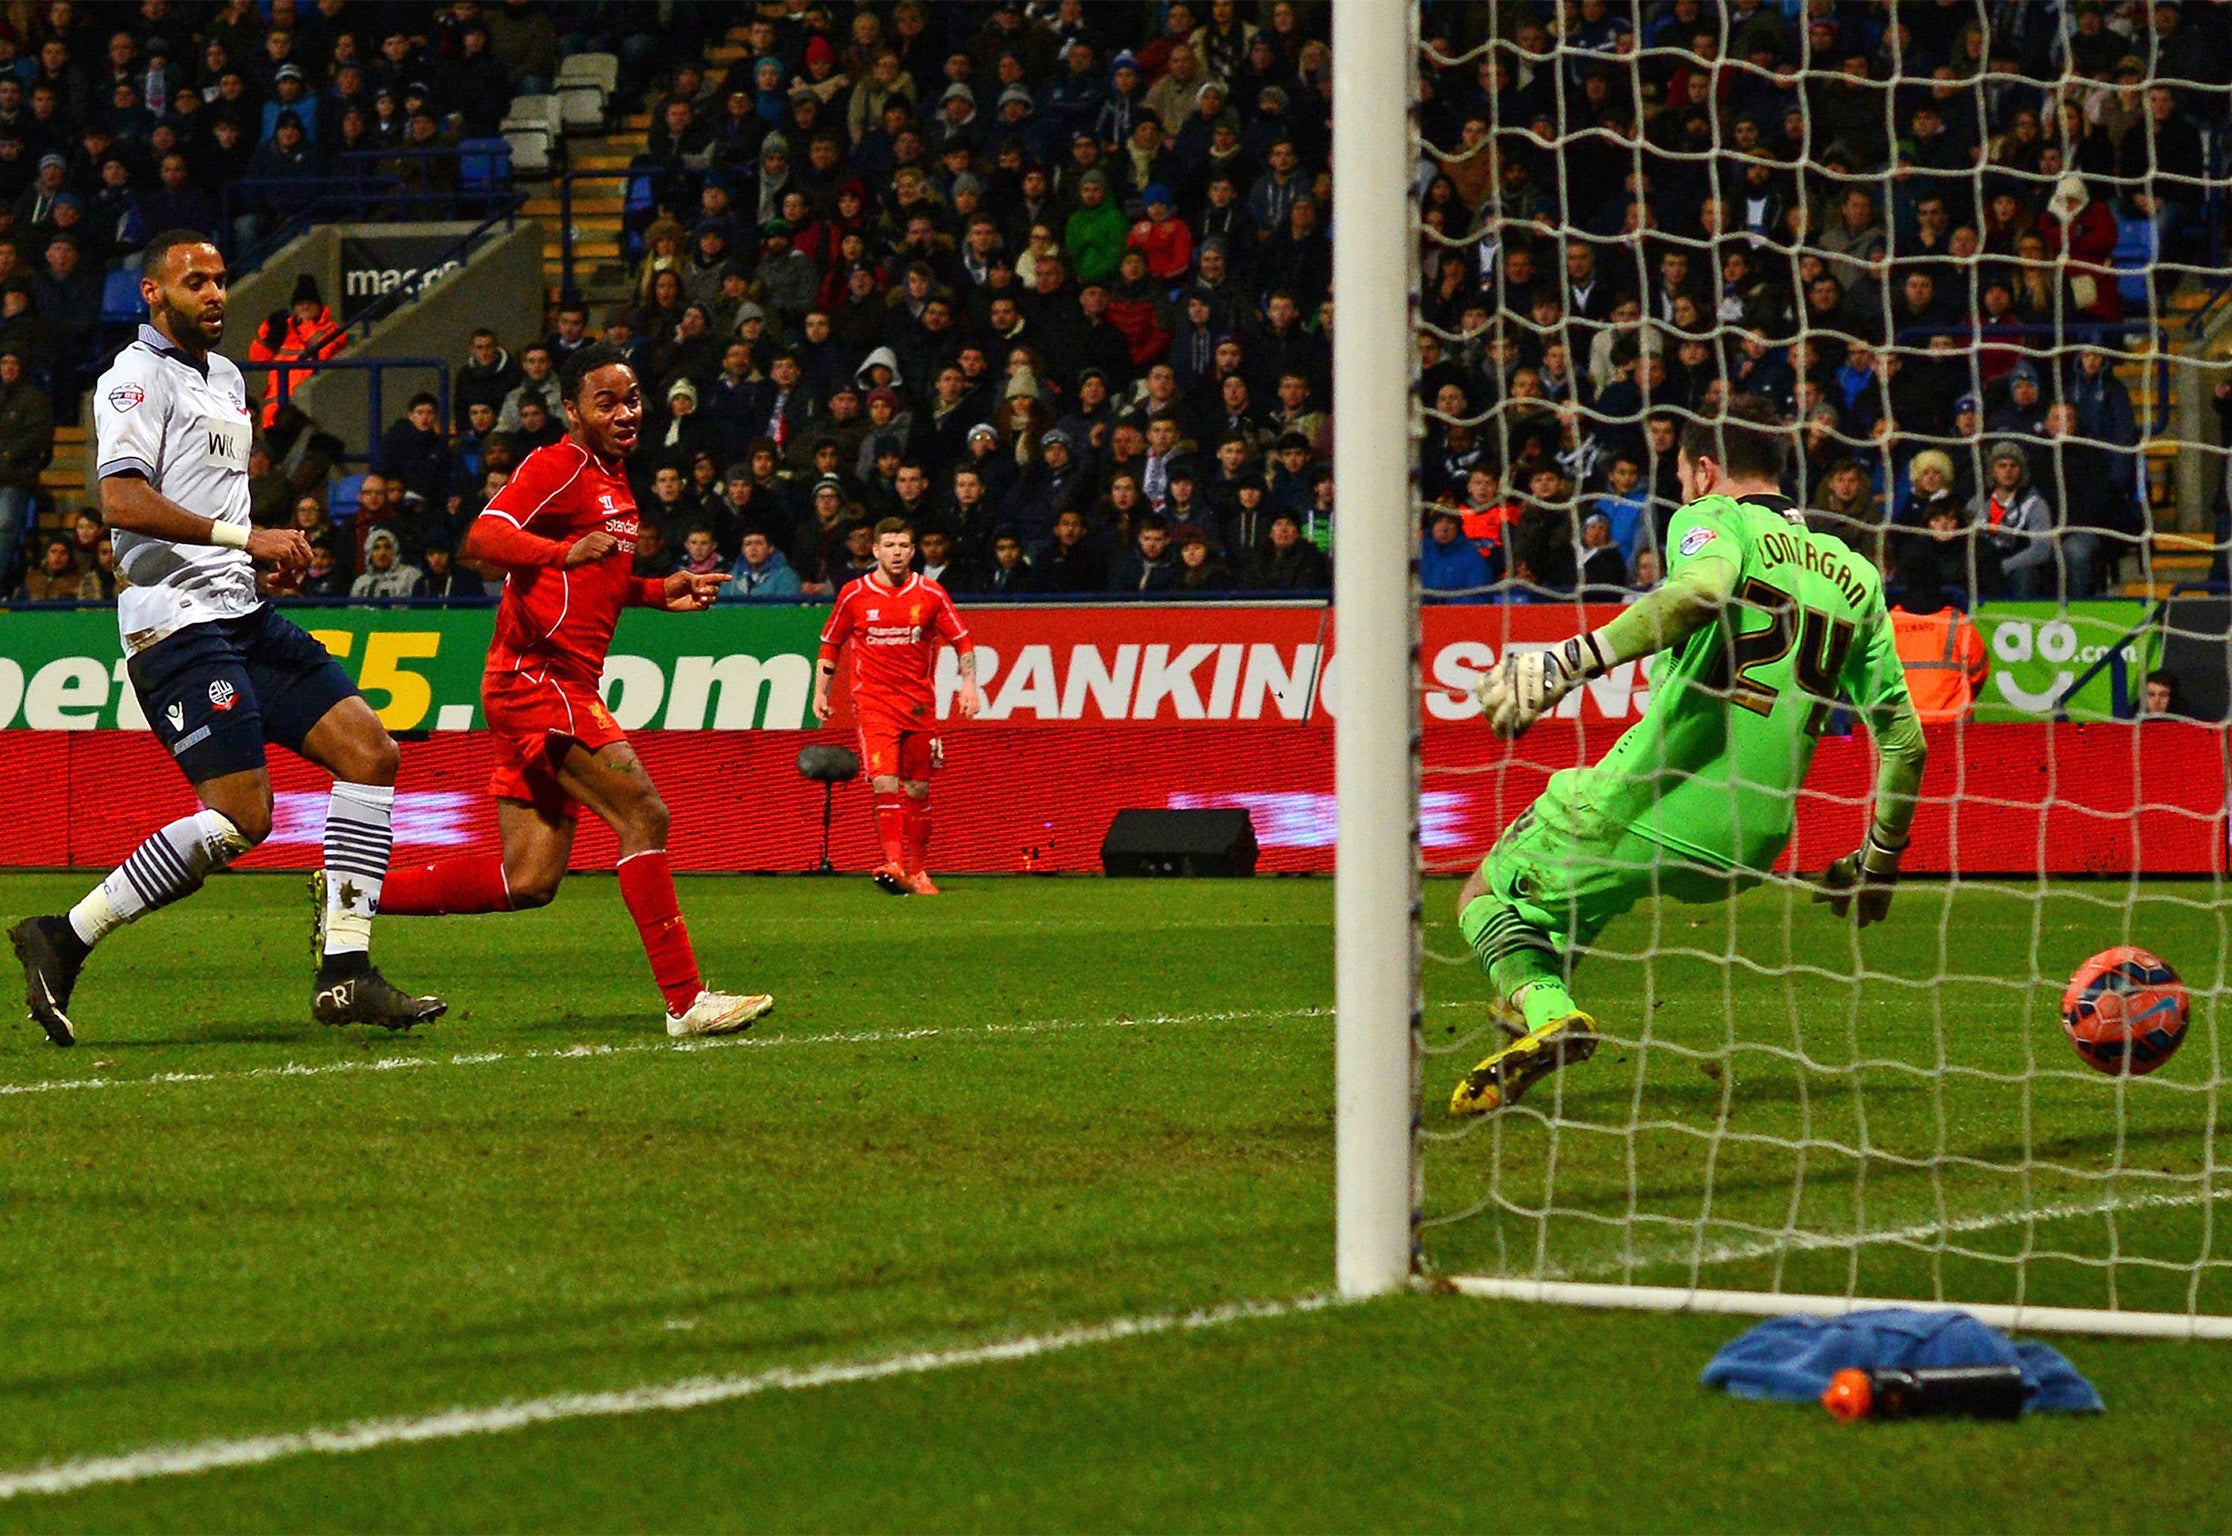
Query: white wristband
{"points": [[228, 535]]}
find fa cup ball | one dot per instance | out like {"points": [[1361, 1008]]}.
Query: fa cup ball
{"points": [[2125, 1011]]}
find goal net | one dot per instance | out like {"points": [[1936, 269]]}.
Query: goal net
{"points": [[1973, 254]]}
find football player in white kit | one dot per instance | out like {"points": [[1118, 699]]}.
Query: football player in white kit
{"points": [[218, 671]]}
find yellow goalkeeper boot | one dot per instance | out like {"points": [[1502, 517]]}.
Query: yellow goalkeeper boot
{"points": [[1510, 1072]]}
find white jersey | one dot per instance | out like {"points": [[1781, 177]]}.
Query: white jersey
{"points": [[186, 427]]}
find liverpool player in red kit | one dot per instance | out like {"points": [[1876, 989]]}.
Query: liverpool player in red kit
{"points": [[893, 618], [564, 530]]}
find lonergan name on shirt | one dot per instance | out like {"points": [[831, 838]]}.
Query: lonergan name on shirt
{"points": [[1794, 549]]}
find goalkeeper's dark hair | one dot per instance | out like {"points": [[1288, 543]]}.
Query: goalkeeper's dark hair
{"points": [[584, 361], [1749, 440], [158, 249]]}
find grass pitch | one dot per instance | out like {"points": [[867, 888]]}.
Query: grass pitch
{"points": [[1032, 1105]]}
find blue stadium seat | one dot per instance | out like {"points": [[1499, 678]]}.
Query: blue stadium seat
{"points": [[638, 207], [120, 299], [484, 165], [2135, 252], [342, 501]]}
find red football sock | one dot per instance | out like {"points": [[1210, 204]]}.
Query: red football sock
{"points": [[647, 886], [447, 887], [918, 834], [891, 826]]}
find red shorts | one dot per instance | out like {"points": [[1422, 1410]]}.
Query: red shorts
{"points": [[531, 717], [891, 750]]}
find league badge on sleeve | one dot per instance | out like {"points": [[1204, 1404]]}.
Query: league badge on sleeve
{"points": [[1695, 540], [125, 396]]}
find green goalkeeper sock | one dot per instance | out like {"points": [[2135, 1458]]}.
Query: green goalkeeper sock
{"points": [[1545, 1001], [1519, 959]]}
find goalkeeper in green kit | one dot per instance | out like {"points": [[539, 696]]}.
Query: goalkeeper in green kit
{"points": [[1769, 626]]}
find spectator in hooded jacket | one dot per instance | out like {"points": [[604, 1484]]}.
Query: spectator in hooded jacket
{"points": [[415, 452], [2016, 520], [1162, 237], [1450, 566], [1094, 235], [489, 375], [1287, 562], [1150, 564], [761, 571], [385, 574], [307, 331]]}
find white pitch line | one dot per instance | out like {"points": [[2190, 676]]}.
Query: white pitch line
{"points": [[635, 1048], [1664, 1254], [696, 1392]]}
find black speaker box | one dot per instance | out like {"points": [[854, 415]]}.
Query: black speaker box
{"points": [[1180, 843], [2197, 651]]}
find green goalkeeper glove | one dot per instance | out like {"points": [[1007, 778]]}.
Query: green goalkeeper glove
{"points": [[1861, 882]]}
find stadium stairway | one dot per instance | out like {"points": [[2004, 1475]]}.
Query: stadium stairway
{"points": [[62, 483], [2181, 552], [601, 270]]}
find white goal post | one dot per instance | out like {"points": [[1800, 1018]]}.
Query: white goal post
{"points": [[1376, 891], [1386, 1237]]}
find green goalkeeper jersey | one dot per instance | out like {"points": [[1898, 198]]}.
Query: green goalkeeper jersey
{"points": [[1713, 768]]}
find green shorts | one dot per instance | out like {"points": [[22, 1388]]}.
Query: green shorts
{"points": [[1570, 887]]}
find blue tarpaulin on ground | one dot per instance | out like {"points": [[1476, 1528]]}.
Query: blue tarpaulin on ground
{"points": [[1792, 1358]]}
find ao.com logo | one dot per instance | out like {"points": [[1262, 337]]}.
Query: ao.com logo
{"points": [[2032, 647]]}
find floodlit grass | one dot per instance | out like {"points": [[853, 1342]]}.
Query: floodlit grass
{"points": [[1755, 1110], [1028, 1105]]}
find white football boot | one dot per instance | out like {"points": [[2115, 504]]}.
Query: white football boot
{"points": [[718, 1013]]}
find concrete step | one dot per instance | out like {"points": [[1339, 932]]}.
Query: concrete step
{"points": [[586, 205], [2168, 544]]}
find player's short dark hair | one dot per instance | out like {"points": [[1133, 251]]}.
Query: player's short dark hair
{"points": [[1747, 440], [158, 249], [583, 362], [894, 525]]}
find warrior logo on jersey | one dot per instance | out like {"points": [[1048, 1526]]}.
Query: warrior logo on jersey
{"points": [[125, 396], [221, 695], [1696, 539]]}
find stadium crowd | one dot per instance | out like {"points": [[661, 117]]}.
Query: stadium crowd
{"points": [[1929, 247], [1054, 279]]}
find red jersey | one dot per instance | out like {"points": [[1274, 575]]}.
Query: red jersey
{"points": [[894, 633], [552, 619]]}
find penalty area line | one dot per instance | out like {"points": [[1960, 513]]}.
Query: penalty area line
{"points": [[588, 1052], [193, 1459]]}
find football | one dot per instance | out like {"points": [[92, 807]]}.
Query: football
{"points": [[2125, 1011]]}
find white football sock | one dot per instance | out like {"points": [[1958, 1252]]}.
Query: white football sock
{"points": [[170, 865], [359, 837]]}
